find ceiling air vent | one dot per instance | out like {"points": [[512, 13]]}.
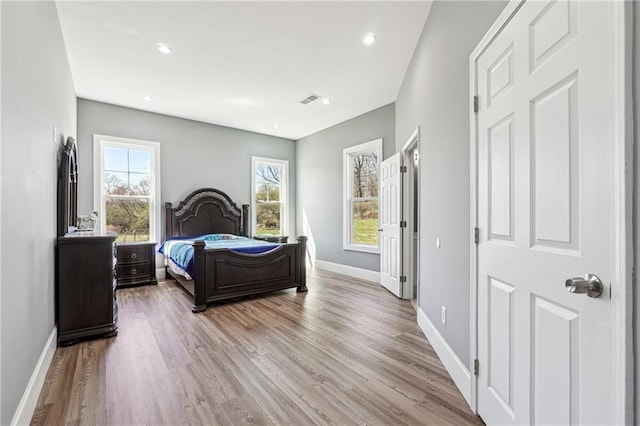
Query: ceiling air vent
{"points": [[309, 99]]}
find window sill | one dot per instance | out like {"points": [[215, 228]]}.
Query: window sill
{"points": [[361, 248]]}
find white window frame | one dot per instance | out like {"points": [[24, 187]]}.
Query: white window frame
{"points": [[99, 195], [284, 199], [347, 220]]}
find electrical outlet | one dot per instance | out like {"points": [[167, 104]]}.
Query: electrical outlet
{"points": [[444, 315]]}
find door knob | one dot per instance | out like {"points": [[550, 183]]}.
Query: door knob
{"points": [[590, 284], [379, 229]]}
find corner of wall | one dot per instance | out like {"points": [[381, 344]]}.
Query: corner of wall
{"points": [[635, 65], [29, 399], [1, 134], [455, 367]]}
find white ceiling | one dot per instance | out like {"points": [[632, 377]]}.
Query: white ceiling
{"points": [[243, 64]]}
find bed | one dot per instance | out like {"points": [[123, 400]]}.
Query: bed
{"points": [[223, 273]]}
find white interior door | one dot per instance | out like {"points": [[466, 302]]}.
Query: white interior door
{"points": [[390, 231], [544, 212]]}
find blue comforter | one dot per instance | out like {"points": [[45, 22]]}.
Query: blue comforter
{"points": [[180, 250]]}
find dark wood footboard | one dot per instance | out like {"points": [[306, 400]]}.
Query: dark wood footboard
{"points": [[223, 274]]}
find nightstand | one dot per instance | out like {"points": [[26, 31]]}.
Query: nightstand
{"points": [[283, 239], [136, 264]]}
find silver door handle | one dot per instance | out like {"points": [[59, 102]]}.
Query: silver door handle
{"points": [[590, 284]]}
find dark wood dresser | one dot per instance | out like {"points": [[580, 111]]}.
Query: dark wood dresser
{"points": [[136, 264], [85, 286]]}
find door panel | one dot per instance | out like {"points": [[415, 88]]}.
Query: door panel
{"points": [[500, 157], [554, 140], [551, 30], [555, 360], [500, 365], [500, 75], [544, 191], [390, 231]]}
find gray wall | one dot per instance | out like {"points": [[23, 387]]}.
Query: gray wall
{"points": [[37, 94], [636, 194], [435, 96], [319, 159], [193, 154]]}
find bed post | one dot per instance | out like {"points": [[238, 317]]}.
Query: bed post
{"points": [[302, 259], [168, 221], [245, 220], [199, 285]]}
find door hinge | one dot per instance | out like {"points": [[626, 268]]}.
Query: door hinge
{"points": [[475, 103], [476, 367], [403, 278], [403, 169], [476, 235], [403, 224]]}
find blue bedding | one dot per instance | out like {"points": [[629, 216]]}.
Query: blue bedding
{"points": [[180, 250]]}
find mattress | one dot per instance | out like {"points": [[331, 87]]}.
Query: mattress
{"points": [[178, 252]]}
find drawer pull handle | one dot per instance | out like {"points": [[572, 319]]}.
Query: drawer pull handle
{"points": [[134, 271], [134, 255]]}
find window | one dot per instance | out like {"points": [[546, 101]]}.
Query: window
{"points": [[361, 181], [127, 187], [269, 191]]}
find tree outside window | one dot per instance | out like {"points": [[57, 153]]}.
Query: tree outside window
{"points": [[361, 183], [269, 201], [364, 204], [128, 192]]}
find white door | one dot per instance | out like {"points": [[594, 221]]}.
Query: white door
{"points": [[390, 231], [544, 212]]}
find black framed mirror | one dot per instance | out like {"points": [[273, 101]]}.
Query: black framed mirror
{"points": [[68, 188]]}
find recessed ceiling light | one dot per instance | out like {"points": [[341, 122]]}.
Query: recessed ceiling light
{"points": [[164, 48], [146, 98], [326, 101], [275, 126], [369, 38]]}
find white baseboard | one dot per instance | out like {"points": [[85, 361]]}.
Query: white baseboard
{"points": [[161, 273], [459, 373], [363, 274], [29, 400]]}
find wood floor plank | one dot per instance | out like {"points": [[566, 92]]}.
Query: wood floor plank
{"points": [[347, 352]]}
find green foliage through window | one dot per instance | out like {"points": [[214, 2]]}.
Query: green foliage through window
{"points": [[129, 218], [365, 222], [361, 210], [128, 191], [269, 188]]}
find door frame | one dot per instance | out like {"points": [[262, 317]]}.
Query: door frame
{"points": [[407, 215], [621, 248]]}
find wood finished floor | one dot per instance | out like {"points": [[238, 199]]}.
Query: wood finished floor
{"points": [[347, 352]]}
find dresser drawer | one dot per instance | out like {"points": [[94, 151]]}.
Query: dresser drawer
{"points": [[141, 271], [131, 254]]}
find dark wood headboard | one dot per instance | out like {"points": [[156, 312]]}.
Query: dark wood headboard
{"points": [[205, 211]]}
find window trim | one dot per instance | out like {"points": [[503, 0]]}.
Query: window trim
{"points": [[284, 194], [347, 222], [99, 196]]}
